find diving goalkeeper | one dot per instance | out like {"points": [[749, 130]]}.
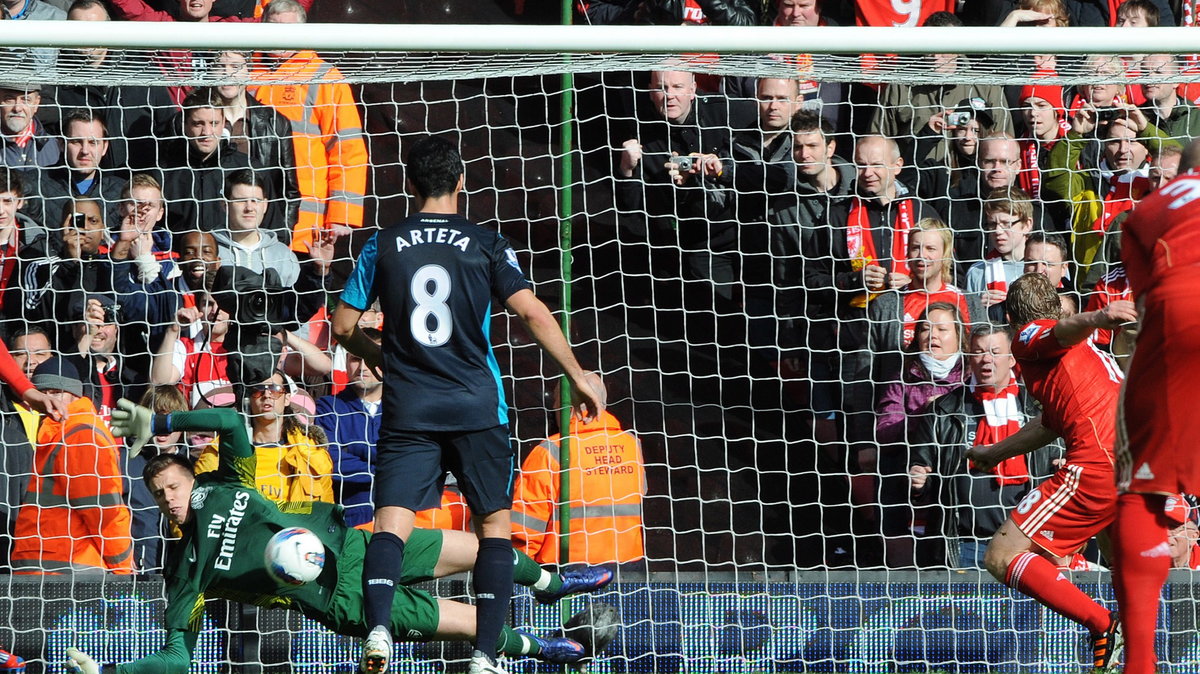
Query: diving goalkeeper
{"points": [[227, 523]]}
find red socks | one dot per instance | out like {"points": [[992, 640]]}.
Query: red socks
{"points": [[1031, 574], [1140, 569]]}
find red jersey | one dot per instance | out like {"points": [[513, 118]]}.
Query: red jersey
{"points": [[1160, 236], [890, 13], [1077, 387], [917, 301], [201, 367], [1112, 287]]}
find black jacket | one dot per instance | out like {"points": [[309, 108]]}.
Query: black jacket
{"points": [[49, 192], [194, 186], [973, 504], [273, 155], [716, 12]]}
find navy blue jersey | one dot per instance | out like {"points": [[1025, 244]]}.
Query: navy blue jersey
{"points": [[435, 277]]}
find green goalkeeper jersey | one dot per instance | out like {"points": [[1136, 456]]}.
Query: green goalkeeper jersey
{"points": [[224, 541]]}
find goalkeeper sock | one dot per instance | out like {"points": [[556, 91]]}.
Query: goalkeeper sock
{"points": [[513, 643], [1143, 560], [493, 580], [1031, 574], [528, 573], [381, 574]]}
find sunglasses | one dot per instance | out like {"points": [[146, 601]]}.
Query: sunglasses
{"points": [[275, 390]]}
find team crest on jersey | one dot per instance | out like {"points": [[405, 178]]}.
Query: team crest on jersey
{"points": [[199, 496], [1029, 333], [511, 256]]}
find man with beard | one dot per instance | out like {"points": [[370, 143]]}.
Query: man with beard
{"points": [[26, 144]]}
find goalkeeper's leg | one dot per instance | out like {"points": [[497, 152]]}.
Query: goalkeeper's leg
{"points": [[456, 622]]}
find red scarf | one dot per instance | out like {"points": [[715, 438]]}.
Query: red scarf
{"points": [[1124, 191], [1001, 418], [860, 244], [22, 139]]}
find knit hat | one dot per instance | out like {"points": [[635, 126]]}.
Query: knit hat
{"points": [[58, 375], [1050, 93]]}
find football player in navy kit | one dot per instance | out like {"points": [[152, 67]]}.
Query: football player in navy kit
{"points": [[437, 275]]}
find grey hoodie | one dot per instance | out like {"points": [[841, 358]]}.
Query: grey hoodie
{"points": [[270, 253]]}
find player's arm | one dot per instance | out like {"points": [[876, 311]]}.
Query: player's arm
{"points": [[1074, 329], [540, 324], [1032, 436], [236, 457]]}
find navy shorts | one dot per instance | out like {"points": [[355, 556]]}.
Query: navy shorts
{"points": [[411, 467]]}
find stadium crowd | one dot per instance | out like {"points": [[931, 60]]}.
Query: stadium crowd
{"points": [[866, 235]]}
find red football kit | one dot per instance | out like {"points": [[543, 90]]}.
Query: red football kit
{"points": [[1160, 247], [1111, 287], [1078, 387]]}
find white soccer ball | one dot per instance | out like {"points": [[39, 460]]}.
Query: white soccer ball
{"points": [[295, 556]]}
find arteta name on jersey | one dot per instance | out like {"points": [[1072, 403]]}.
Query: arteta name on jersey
{"points": [[444, 235]]}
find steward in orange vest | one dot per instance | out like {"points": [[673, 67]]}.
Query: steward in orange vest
{"points": [[607, 483], [73, 517], [327, 131]]}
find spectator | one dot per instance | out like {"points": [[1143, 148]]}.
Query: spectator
{"points": [[697, 12], [933, 368], [243, 242], [198, 260], [50, 197], [195, 360], [197, 165], [34, 10], [1008, 221], [331, 154], [26, 143], [110, 375], [351, 421], [931, 268], [138, 116], [906, 108], [1139, 14], [148, 531], [971, 504], [1087, 13], [72, 518], [55, 286], [265, 135], [1114, 186], [606, 481], [1042, 109], [21, 242], [1046, 254], [31, 347], [1176, 116], [935, 178], [292, 463], [1182, 538]]}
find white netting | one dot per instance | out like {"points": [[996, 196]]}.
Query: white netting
{"points": [[712, 309]]}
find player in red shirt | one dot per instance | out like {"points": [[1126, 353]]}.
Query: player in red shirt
{"points": [[1078, 386], [1160, 248]]}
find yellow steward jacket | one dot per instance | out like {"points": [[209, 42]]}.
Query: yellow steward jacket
{"points": [[327, 132], [73, 518], [296, 470], [607, 483]]}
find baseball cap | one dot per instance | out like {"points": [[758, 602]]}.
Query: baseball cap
{"points": [[1179, 508], [59, 375], [978, 109]]}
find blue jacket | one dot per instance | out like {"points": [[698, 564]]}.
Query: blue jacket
{"points": [[353, 435]]}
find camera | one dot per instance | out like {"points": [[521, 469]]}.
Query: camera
{"points": [[79, 220], [259, 305], [1108, 115], [685, 163], [957, 118]]}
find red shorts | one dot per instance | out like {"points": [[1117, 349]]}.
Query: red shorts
{"points": [[1159, 405], [1067, 510]]}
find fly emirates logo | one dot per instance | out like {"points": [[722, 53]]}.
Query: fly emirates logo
{"points": [[226, 529]]}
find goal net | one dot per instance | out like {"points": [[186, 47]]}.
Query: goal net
{"points": [[704, 218]]}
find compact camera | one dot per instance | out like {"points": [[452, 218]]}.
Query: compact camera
{"points": [[687, 163], [958, 118]]}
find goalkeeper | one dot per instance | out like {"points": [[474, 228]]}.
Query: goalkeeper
{"points": [[227, 523]]}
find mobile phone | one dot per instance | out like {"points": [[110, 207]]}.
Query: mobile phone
{"points": [[79, 220]]}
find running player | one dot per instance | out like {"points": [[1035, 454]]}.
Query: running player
{"points": [[1157, 458], [227, 523], [437, 275], [1077, 385]]}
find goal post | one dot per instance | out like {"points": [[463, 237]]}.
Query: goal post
{"points": [[746, 499]]}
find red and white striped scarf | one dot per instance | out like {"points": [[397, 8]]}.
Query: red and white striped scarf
{"points": [[1001, 419]]}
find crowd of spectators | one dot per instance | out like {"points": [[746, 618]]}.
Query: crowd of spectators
{"points": [[866, 235]]}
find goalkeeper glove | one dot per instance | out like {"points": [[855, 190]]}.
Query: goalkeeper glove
{"points": [[79, 662], [132, 421]]}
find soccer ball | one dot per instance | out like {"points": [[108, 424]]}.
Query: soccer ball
{"points": [[295, 556]]}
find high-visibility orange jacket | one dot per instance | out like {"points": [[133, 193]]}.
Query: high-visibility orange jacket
{"points": [[607, 483], [327, 131], [72, 517], [453, 514]]}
